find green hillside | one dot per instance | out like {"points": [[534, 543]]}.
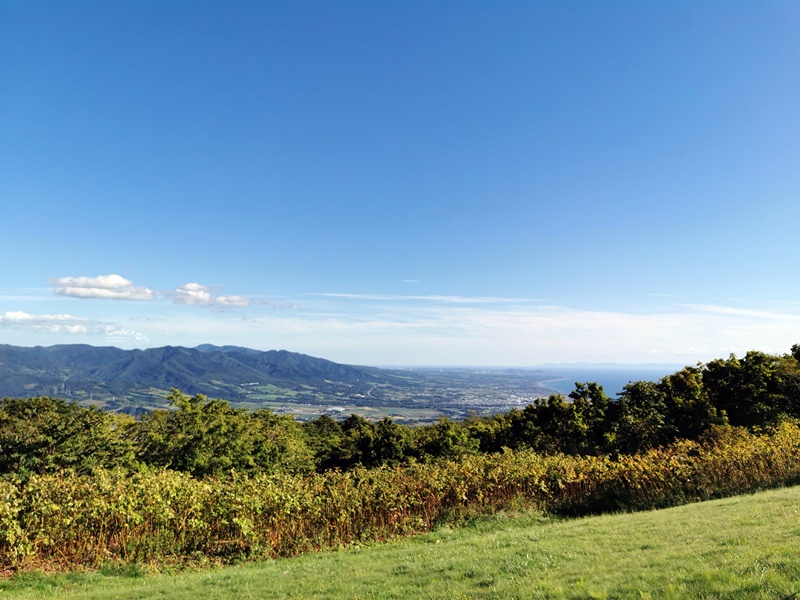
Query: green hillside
{"points": [[741, 547], [137, 381]]}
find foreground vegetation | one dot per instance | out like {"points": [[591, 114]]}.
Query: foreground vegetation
{"points": [[208, 484], [66, 520], [743, 547]]}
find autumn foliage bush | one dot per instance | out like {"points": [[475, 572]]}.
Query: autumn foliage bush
{"points": [[66, 519]]}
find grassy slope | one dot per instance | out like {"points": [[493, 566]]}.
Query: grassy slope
{"points": [[742, 547]]}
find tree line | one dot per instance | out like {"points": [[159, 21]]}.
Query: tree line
{"points": [[203, 437]]}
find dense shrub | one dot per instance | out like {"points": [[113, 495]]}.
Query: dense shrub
{"points": [[68, 519], [44, 435], [208, 437]]}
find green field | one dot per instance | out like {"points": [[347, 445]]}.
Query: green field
{"points": [[741, 547]]}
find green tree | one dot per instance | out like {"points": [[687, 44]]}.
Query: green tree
{"points": [[593, 414], [326, 442], [752, 390], [279, 444], [358, 442], [447, 439], [391, 444], [42, 435], [562, 427], [206, 437], [690, 411], [641, 419]]}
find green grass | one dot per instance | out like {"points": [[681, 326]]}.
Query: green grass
{"points": [[742, 547]]}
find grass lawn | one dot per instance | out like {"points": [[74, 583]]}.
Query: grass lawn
{"points": [[743, 547]]}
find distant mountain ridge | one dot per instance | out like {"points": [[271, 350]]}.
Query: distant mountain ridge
{"points": [[84, 370], [136, 381]]}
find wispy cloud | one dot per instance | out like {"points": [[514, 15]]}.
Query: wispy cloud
{"points": [[45, 323], [744, 313], [198, 294], [429, 298], [110, 287], [378, 328], [460, 334]]}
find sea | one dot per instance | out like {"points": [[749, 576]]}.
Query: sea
{"points": [[612, 377]]}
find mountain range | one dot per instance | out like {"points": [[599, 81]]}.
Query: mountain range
{"points": [[137, 380], [84, 372]]}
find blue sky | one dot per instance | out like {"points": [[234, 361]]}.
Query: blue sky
{"points": [[403, 183]]}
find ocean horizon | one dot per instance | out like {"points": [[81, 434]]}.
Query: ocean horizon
{"points": [[612, 378]]}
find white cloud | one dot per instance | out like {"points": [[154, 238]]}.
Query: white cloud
{"points": [[114, 287], [198, 294], [45, 323]]}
